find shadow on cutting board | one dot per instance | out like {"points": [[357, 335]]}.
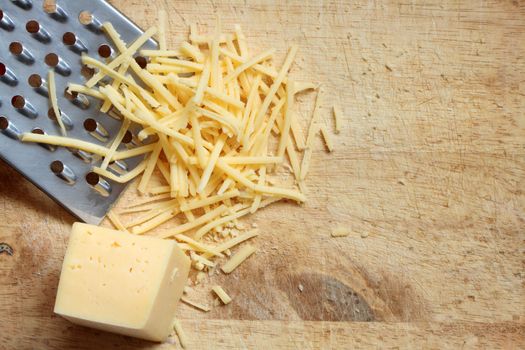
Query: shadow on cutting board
{"points": [[77, 337], [16, 189]]}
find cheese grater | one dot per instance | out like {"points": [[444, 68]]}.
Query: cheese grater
{"points": [[38, 35]]}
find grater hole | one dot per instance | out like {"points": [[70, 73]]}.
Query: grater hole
{"points": [[69, 38], [85, 17], [32, 27], [51, 59], [18, 101], [128, 137], [83, 156], [104, 51], [8, 128], [141, 61], [90, 124], [56, 167], [68, 124], [114, 113], [54, 11], [63, 172], [96, 130], [87, 72], [98, 183], [92, 178], [24, 4], [79, 100], [16, 48], [52, 115], [70, 95], [49, 6], [4, 123], [3, 69], [5, 21], [35, 80], [40, 131]]}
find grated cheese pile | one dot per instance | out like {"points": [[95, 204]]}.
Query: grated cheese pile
{"points": [[217, 122]]}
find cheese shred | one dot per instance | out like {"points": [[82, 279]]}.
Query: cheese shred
{"points": [[183, 338], [243, 254], [53, 100], [225, 298], [212, 121]]}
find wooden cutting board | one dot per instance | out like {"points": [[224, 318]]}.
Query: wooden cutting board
{"points": [[427, 174]]}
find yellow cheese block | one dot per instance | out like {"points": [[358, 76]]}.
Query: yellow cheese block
{"points": [[121, 283]]}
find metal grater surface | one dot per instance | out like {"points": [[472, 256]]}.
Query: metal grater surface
{"points": [[59, 172]]}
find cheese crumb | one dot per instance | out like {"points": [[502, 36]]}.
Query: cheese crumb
{"points": [[340, 232], [201, 276]]}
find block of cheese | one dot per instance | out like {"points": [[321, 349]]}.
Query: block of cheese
{"points": [[121, 283]]}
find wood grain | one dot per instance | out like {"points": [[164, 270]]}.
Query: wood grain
{"points": [[428, 175]]}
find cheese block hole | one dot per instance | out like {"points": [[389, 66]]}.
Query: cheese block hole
{"points": [[174, 274]]}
